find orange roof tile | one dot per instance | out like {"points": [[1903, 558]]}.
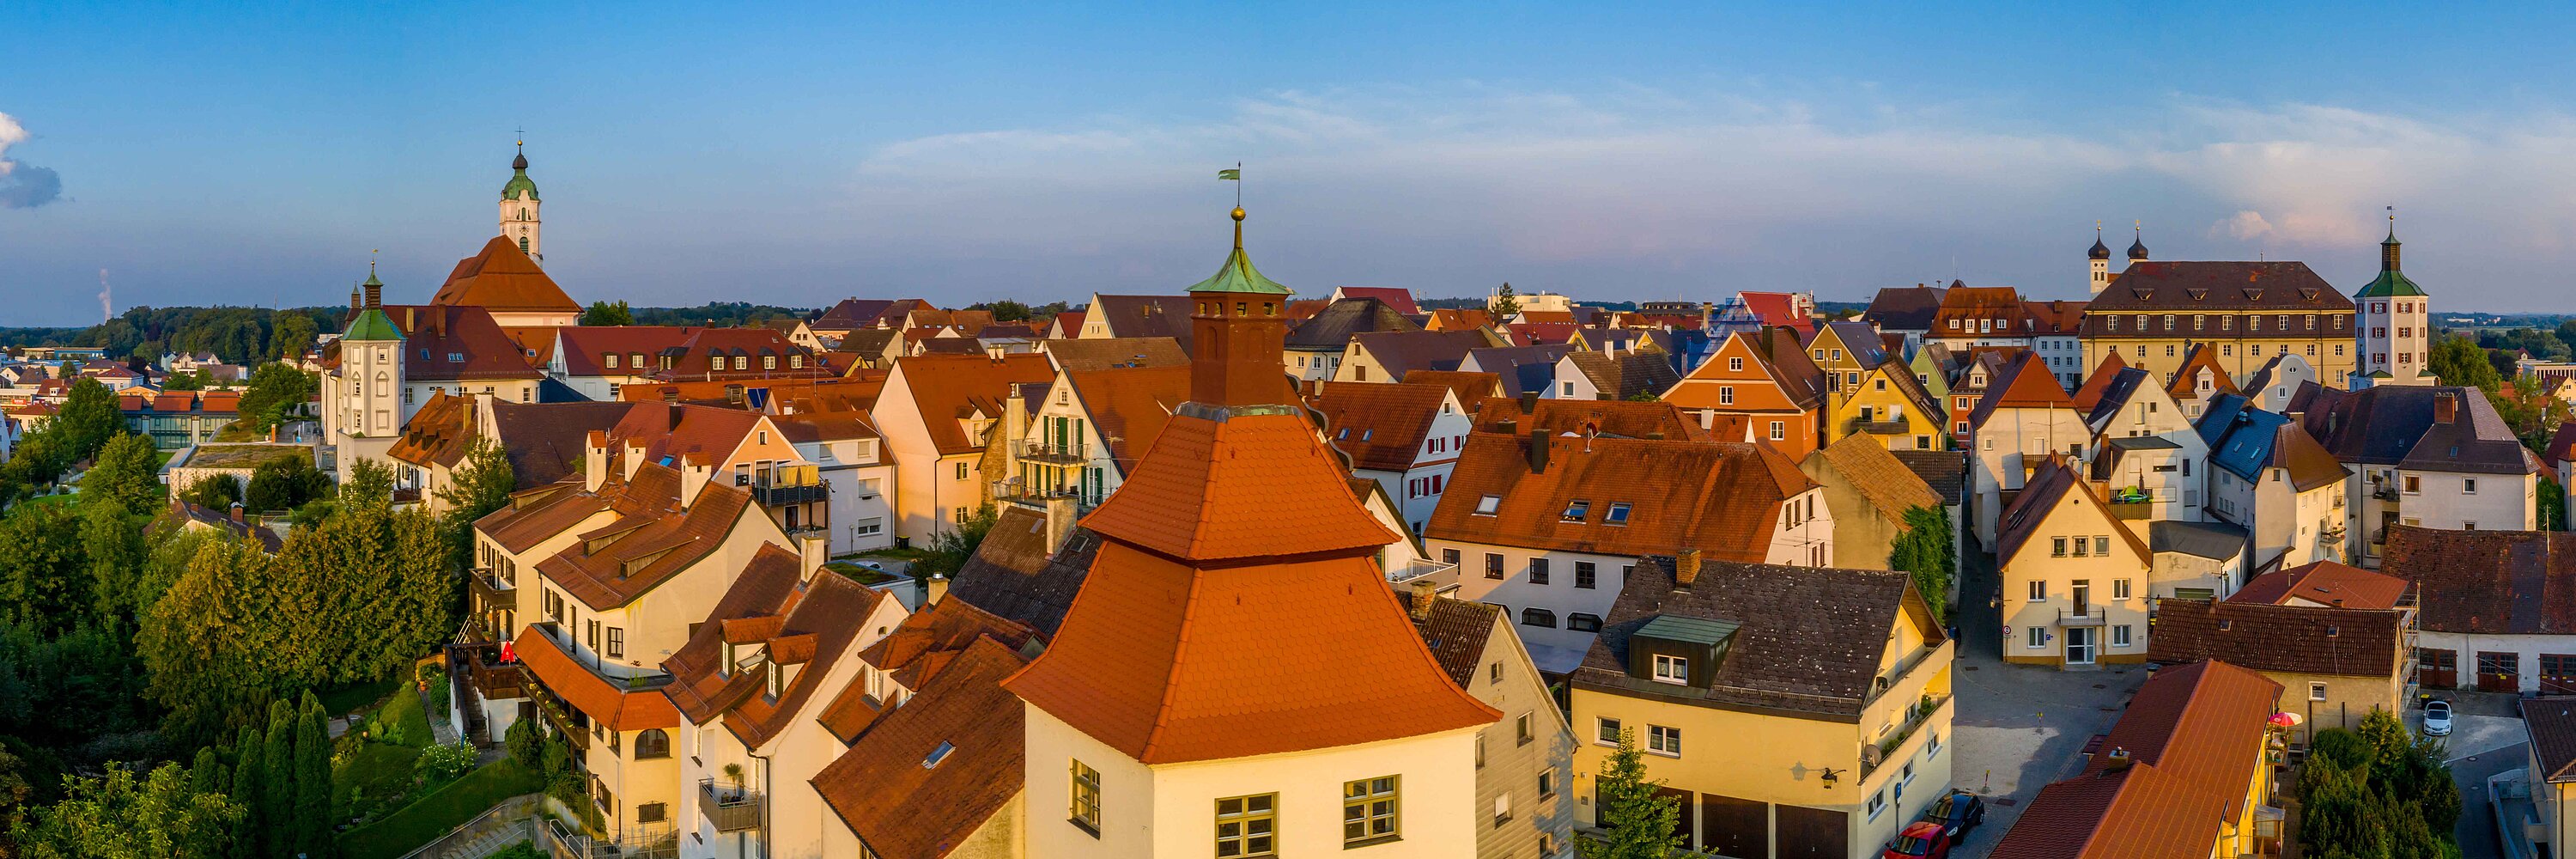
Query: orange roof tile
{"points": [[2026, 384], [898, 798], [1468, 387], [1606, 417], [945, 387], [1721, 497], [2090, 393], [590, 693], [1130, 404], [2193, 737], [502, 277], [2201, 357], [1250, 486], [1380, 426], [2325, 583], [809, 623]]}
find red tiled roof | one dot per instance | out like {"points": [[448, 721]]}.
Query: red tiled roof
{"points": [[1539, 333], [1606, 417], [891, 794], [1236, 609], [502, 277], [2325, 583], [2201, 357], [946, 387], [684, 433], [1398, 298], [2296, 639], [2562, 446], [1777, 308], [2193, 737], [651, 540], [1467, 387], [456, 343], [1380, 426], [2026, 383], [586, 347], [2090, 394], [1130, 404], [438, 434], [809, 623], [1456, 318], [1721, 497], [592, 694]]}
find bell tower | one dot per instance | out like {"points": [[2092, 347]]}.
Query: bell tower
{"points": [[519, 205], [2100, 261], [1239, 326]]}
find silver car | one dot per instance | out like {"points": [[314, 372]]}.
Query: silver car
{"points": [[2437, 718]]}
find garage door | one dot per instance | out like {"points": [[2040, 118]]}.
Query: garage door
{"points": [[2499, 671], [2437, 669], [1736, 828], [1682, 821], [1813, 833]]}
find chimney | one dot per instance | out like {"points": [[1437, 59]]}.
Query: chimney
{"points": [[1538, 450], [1060, 515], [2119, 760], [812, 550], [594, 462], [1685, 568], [933, 589], [2446, 407], [1424, 592], [237, 513], [1508, 426], [1529, 402]]}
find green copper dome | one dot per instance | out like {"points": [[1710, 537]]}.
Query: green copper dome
{"points": [[520, 188], [372, 324], [1238, 275], [2391, 283]]}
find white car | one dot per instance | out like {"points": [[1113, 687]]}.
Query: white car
{"points": [[2437, 718]]}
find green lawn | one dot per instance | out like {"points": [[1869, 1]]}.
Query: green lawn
{"points": [[343, 700], [897, 554], [66, 498], [402, 722], [860, 574], [377, 772], [443, 809]]}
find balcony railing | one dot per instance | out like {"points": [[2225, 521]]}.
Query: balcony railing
{"points": [[491, 591], [730, 808], [2388, 494], [1418, 569], [2082, 615], [1915, 717], [780, 491], [1060, 454]]}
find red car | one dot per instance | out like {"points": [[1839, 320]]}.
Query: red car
{"points": [[1922, 839]]}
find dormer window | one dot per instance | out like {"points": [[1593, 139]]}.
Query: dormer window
{"points": [[610, 360], [1672, 669]]}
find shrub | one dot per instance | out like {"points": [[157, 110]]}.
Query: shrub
{"points": [[442, 763], [402, 722], [526, 744]]}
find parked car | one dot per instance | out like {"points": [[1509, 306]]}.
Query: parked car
{"points": [[2437, 718], [1922, 839], [1957, 812]]}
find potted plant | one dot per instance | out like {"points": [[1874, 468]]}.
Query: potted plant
{"points": [[733, 773]]}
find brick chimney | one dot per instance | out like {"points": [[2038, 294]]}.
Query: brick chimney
{"points": [[1685, 568], [1424, 592], [1538, 450], [2446, 407], [237, 513]]}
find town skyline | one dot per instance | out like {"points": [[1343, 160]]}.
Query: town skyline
{"points": [[1710, 152]]}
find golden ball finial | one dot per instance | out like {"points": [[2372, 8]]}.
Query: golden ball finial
{"points": [[1238, 213]]}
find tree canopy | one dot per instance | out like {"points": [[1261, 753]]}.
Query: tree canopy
{"points": [[275, 390]]}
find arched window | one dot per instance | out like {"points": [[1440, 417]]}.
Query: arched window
{"points": [[651, 744], [523, 243]]}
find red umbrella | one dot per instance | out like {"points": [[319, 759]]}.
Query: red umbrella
{"points": [[2286, 720], [507, 655]]}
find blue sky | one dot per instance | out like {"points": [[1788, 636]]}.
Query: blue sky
{"points": [[797, 154]]}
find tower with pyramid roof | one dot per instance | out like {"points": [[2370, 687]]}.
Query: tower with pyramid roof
{"points": [[1235, 661], [2395, 319]]}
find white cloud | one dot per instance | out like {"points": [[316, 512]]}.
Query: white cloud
{"points": [[23, 186], [2248, 224]]}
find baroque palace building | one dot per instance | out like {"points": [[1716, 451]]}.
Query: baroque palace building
{"points": [[2251, 313]]}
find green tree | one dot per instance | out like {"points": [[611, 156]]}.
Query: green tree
{"points": [[290, 333], [1925, 551], [127, 475], [210, 647], [284, 483], [2459, 361], [44, 576], [193, 380], [1004, 310], [608, 313], [217, 492], [207, 775], [2567, 333], [277, 799], [119, 815], [247, 769], [1506, 302], [15, 792], [369, 480], [1636, 822], [2553, 504], [312, 781], [480, 484], [118, 554], [276, 390], [527, 745], [89, 418], [949, 549]]}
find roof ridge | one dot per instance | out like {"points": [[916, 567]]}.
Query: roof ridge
{"points": [[1171, 670]]}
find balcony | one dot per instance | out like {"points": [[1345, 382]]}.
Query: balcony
{"points": [[729, 808], [780, 490], [2385, 493], [491, 591], [1058, 454], [1411, 570], [2082, 615], [1915, 717]]}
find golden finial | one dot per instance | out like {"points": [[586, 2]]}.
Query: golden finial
{"points": [[1238, 213]]}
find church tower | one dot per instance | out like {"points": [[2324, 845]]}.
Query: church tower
{"points": [[2393, 327], [2100, 260], [519, 204]]}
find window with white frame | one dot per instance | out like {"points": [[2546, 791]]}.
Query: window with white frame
{"points": [[1664, 741], [1672, 669]]}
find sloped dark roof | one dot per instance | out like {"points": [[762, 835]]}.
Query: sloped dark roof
{"points": [[1456, 631], [2552, 724], [1331, 329], [1945, 471], [1904, 308], [2351, 642], [546, 441], [2513, 582], [1401, 352], [2196, 286], [1626, 374], [2217, 541], [1809, 640], [1101, 353], [1016, 576], [2387, 424]]}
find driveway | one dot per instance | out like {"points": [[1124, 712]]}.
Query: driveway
{"points": [[2476, 831], [2019, 727]]}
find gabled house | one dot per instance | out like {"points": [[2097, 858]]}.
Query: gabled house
{"points": [[599, 362], [2268, 476], [1397, 298], [2184, 774], [1844, 350], [1386, 356], [2073, 575], [1315, 346], [1763, 381], [937, 415], [1524, 763], [1405, 436], [1613, 375], [2498, 608], [1868, 490], [1792, 711], [2337, 665], [1089, 428], [849, 457], [944, 774], [2435, 456], [1906, 311], [1611, 418], [1138, 316], [745, 450], [1459, 319], [2023, 419], [1982, 316], [1890, 408], [1543, 522], [2147, 457], [1519, 369], [2200, 379], [2056, 331], [751, 685]]}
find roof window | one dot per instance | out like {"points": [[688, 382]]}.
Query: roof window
{"points": [[1618, 514], [1485, 506], [1577, 509], [938, 754]]}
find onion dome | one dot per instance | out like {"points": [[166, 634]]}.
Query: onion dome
{"points": [[2100, 250], [520, 187], [2138, 248]]}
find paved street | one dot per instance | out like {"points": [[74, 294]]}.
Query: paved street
{"points": [[2476, 831], [2021, 727]]}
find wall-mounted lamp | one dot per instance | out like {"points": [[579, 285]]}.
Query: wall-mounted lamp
{"points": [[1832, 775]]}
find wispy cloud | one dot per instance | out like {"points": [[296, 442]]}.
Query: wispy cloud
{"points": [[23, 185], [1637, 181]]}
